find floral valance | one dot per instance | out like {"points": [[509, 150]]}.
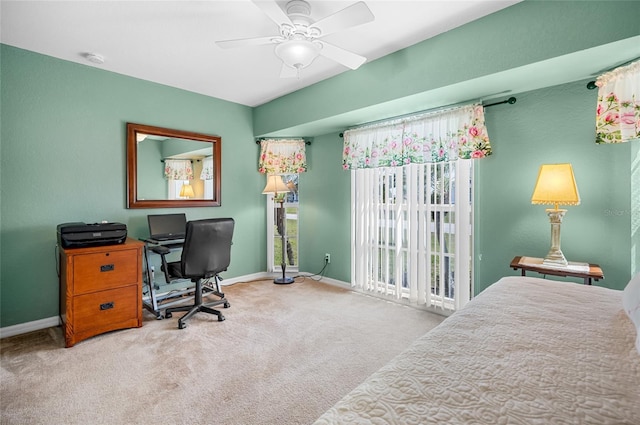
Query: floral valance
{"points": [[282, 156], [207, 169], [440, 136], [618, 109], [178, 169]]}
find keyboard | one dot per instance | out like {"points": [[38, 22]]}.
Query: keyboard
{"points": [[168, 243]]}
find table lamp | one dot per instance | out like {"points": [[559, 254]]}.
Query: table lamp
{"points": [[275, 185], [186, 191], [556, 185]]}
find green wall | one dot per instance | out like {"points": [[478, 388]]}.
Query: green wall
{"points": [[546, 125], [325, 198], [151, 183], [552, 125], [63, 152]]}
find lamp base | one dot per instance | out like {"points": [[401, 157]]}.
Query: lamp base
{"points": [[555, 257], [283, 280]]}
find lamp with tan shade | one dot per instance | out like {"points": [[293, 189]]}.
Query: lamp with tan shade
{"points": [[186, 191], [275, 185], [556, 185]]}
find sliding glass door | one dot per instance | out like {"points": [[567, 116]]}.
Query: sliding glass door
{"points": [[412, 233]]}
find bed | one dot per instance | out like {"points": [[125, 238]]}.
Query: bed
{"points": [[525, 351]]}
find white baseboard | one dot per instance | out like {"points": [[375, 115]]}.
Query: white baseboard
{"points": [[36, 325], [23, 328], [334, 282], [245, 278], [267, 275]]}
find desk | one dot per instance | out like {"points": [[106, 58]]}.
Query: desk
{"points": [[585, 271], [157, 293]]}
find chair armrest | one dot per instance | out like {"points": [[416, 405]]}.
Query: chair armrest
{"points": [[162, 250]]}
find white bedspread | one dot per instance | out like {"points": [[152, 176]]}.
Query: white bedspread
{"points": [[525, 351]]}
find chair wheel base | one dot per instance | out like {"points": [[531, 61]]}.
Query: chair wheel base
{"points": [[168, 315]]}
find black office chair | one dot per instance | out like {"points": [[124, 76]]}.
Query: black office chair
{"points": [[206, 252]]}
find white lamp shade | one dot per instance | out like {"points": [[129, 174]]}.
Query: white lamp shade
{"points": [[275, 185], [297, 53], [556, 185]]}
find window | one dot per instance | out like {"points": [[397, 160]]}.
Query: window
{"points": [[174, 187], [289, 217], [286, 159], [412, 199], [412, 233], [207, 175]]}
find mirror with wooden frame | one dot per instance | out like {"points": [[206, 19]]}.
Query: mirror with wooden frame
{"points": [[169, 168]]}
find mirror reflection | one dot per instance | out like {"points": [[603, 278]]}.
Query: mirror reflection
{"points": [[172, 168]]}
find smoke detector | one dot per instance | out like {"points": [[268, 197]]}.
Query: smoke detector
{"points": [[94, 58]]}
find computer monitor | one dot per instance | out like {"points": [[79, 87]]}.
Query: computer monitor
{"points": [[163, 227]]}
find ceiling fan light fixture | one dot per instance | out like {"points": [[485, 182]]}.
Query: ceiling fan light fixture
{"points": [[297, 53], [299, 11], [299, 42]]}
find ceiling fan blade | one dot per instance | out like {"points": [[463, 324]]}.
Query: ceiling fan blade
{"points": [[244, 42], [288, 72], [345, 57], [273, 11], [351, 16]]}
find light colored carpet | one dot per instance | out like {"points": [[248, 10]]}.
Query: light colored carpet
{"points": [[285, 354]]}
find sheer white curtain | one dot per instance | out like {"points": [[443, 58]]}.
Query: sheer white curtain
{"points": [[435, 137], [618, 109], [206, 175], [207, 168], [178, 169], [282, 156], [412, 198], [177, 172]]}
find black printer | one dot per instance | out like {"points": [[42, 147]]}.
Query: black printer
{"points": [[77, 235]]}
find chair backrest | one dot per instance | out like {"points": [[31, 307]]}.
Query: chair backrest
{"points": [[207, 247]]}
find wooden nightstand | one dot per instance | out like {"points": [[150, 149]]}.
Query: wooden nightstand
{"points": [[585, 271]]}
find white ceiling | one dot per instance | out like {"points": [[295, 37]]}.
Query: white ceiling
{"points": [[173, 42]]}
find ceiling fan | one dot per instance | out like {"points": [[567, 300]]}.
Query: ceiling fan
{"points": [[298, 43]]}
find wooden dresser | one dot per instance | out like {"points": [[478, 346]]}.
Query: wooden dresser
{"points": [[100, 289]]}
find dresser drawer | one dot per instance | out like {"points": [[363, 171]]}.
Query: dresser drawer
{"points": [[100, 289], [105, 308], [104, 270]]}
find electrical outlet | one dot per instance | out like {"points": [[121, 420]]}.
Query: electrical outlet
{"points": [[327, 258]]}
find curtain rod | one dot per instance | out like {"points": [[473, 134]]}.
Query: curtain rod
{"points": [[592, 84], [510, 101], [306, 142]]}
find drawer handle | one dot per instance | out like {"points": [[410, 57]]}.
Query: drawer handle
{"points": [[106, 306], [107, 268]]}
